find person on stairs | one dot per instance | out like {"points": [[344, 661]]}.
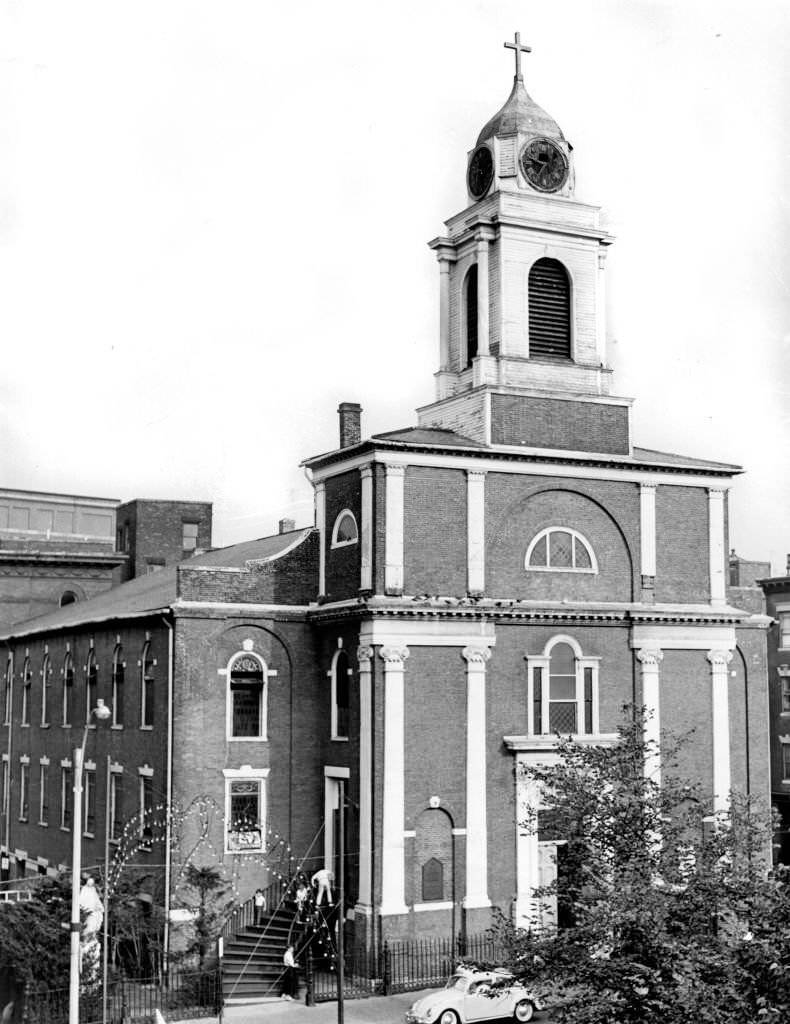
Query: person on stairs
{"points": [[290, 977]]}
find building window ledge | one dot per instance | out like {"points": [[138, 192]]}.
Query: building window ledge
{"points": [[438, 905], [116, 727]]}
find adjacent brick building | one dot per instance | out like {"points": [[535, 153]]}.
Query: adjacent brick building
{"points": [[777, 598], [510, 568]]}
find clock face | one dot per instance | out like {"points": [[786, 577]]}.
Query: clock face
{"points": [[481, 172], [544, 165]]}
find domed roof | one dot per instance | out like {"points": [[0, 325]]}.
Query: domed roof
{"points": [[520, 114]]}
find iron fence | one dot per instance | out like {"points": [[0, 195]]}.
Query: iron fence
{"points": [[398, 966], [184, 996]]}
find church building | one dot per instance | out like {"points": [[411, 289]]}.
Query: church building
{"points": [[511, 568]]}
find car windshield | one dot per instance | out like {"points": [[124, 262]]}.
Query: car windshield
{"points": [[457, 981]]}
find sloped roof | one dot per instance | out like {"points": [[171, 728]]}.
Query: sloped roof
{"points": [[669, 459], [155, 592], [429, 435]]}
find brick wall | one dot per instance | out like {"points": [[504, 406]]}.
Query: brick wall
{"points": [[553, 423], [435, 531], [682, 565], [342, 563], [607, 514], [156, 532]]}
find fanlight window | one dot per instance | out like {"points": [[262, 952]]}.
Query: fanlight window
{"points": [[558, 549], [345, 531]]}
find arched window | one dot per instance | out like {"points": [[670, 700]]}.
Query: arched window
{"points": [[27, 687], [562, 690], [118, 672], [560, 549], [549, 310], [68, 597], [68, 688], [341, 695], [432, 880], [147, 688], [345, 530], [46, 672], [247, 706], [91, 684], [433, 859], [470, 304]]}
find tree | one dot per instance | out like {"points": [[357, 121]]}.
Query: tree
{"points": [[34, 936], [208, 884], [670, 910]]}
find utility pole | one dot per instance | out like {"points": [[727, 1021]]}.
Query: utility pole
{"points": [[341, 899]]}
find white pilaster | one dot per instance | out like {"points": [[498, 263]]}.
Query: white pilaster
{"points": [[718, 593], [601, 308], [650, 661], [475, 519], [527, 852], [366, 530], [393, 535], [719, 662], [483, 348], [364, 658], [320, 522], [647, 528], [444, 314], [476, 819], [393, 811]]}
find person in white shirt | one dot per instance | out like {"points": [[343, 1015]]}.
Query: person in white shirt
{"points": [[323, 878], [290, 977]]}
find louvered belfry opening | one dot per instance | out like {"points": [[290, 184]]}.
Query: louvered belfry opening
{"points": [[471, 314], [549, 310]]}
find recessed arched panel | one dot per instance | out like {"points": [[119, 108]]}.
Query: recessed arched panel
{"points": [[470, 309]]}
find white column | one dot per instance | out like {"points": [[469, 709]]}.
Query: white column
{"points": [[647, 528], [476, 818], [601, 307], [393, 811], [650, 661], [320, 522], [393, 536], [719, 662], [475, 531], [364, 658], [366, 530], [527, 851], [482, 296], [718, 593], [444, 314]]}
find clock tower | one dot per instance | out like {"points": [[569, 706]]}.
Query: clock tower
{"points": [[522, 322]]}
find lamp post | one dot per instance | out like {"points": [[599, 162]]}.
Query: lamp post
{"points": [[102, 713]]}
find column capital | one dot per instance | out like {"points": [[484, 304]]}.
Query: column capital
{"points": [[366, 470], [394, 470], [650, 658], [719, 659], [717, 492], [364, 655], [645, 485], [476, 655], [394, 655], [476, 474]]}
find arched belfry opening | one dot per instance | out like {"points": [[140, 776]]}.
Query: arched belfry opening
{"points": [[549, 310], [470, 297]]}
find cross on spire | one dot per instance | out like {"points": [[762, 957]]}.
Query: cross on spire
{"points": [[519, 50]]}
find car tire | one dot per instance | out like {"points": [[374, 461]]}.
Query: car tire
{"points": [[448, 1017], [524, 1010]]}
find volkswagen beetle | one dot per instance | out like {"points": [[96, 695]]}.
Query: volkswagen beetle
{"points": [[474, 996]]}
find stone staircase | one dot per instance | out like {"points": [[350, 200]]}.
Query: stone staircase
{"points": [[252, 962]]}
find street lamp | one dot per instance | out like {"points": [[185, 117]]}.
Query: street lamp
{"points": [[102, 713]]}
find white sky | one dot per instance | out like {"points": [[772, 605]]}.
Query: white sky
{"points": [[213, 216]]}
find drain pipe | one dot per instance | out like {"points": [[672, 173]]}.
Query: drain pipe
{"points": [[7, 802], [169, 790]]}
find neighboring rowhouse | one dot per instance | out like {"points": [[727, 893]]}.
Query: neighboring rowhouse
{"points": [[777, 598], [511, 568]]}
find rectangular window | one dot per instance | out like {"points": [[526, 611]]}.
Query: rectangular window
{"points": [[146, 805], [91, 686], [588, 700], [43, 799], [189, 536], [784, 679], [89, 801], [24, 791], [116, 806], [66, 786], [68, 689], [786, 762], [147, 688], [245, 799], [7, 692], [45, 691], [784, 630], [27, 684], [4, 804], [118, 668]]}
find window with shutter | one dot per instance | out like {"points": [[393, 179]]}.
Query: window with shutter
{"points": [[549, 310]]}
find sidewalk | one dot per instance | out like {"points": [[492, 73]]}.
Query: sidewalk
{"points": [[375, 1010]]}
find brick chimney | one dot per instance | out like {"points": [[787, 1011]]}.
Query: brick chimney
{"points": [[286, 525], [350, 423]]}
